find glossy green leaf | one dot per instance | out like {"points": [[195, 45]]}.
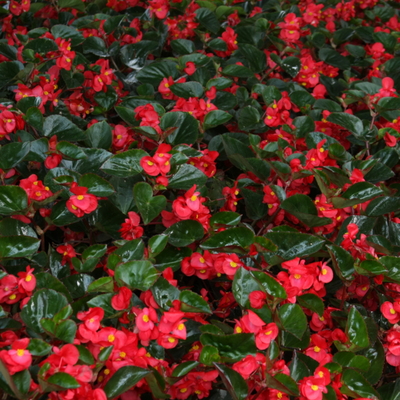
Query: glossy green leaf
{"points": [[192, 302], [184, 233], [149, 207], [233, 381], [136, 274], [293, 319], [124, 379]]}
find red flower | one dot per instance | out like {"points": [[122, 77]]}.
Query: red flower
{"points": [[82, 203], [18, 358], [130, 229], [391, 312], [27, 280], [190, 68], [68, 252], [121, 300]]}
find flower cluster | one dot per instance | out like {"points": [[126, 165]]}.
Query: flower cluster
{"points": [[199, 199]]}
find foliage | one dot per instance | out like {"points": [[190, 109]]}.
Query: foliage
{"points": [[199, 199]]}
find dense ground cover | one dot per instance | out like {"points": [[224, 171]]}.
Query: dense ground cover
{"points": [[199, 199]]}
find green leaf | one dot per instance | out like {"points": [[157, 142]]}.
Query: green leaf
{"points": [[70, 150], [184, 368], [357, 385], [291, 65], [103, 301], [12, 199], [347, 121], [237, 71], [293, 319], [136, 274], [72, 79], [132, 250], [99, 135], [233, 381], [85, 355], [303, 208], [106, 100], [343, 262], [271, 285], [249, 119], [244, 284], [78, 4], [298, 369], [105, 285], [157, 244], [356, 194], [256, 58], [164, 293], [34, 118], [292, 244], [60, 215], [68, 32], [233, 239], [231, 348], [207, 19], [357, 329], [123, 380], [334, 58], [18, 246], [283, 382], [8, 71], [44, 303], [215, 118], [225, 218], [66, 331], [382, 205], [187, 176], [209, 355], [95, 45], [312, 302], [376, 357], [218, 44], [96, 185], [157, 71], [304, 125], [302, 98], [183, 46], [22, 381], [64, 380], [255, 208], [187, 89], [183, 233], [38, 347], [63, 128], [192, 302], [124, 164], [149, 207], [187, 127]]}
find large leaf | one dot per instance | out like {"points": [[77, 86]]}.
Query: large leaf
{"points": [[136, 274], [184, 233], [63, 128], [12, 199], [303, 208], [123, 380], [234, 239], [233, 381], [149, 207], [44, 303], [125, 164], [293, 319]]}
